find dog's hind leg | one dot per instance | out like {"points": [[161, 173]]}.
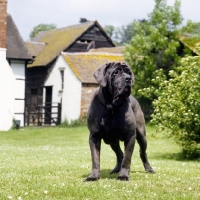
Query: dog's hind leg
{"points": [[142, 141], [119, 154]]}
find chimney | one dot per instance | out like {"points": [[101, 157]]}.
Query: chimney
{"points": [[3, 22]]}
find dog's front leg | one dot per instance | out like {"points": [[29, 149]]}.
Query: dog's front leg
{"points": [[125, 168], [95, 147]]}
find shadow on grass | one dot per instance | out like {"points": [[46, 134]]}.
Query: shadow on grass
{"points": [[173, 156], [105, 174]]}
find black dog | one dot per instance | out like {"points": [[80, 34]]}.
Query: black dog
{"points": [[115, 115]]}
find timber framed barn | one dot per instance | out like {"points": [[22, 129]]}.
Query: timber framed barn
{"points": [[45, 49]]}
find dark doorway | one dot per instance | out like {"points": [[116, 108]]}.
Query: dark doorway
{"points": [[48, 104], [34, 94]]}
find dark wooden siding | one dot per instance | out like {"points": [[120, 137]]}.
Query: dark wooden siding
{"points": [[35, 78], [92, 34]]}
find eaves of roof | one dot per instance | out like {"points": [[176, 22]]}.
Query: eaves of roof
{"points": [[118, 49], [35, 48], [193, 43]]}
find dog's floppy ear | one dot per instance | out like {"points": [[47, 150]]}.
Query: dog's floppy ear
{"points": [[100, 74]]}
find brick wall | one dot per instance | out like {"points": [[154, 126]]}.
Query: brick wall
{"points": [[87, 92], [3, 21]]}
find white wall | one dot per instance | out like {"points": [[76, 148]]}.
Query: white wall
{"points": [[6, 93], [71, 94], [18, 68]]}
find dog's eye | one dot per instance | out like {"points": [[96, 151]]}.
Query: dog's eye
{"points": [[127, 71], [116, 72]]}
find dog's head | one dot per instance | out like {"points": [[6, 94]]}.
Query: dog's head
{"points": [[118, 78]]}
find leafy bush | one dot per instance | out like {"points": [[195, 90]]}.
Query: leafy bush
{"points": [[15, 126], [177, 107], [153, 46]]}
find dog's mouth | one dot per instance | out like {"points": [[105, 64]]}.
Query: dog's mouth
{"points": [[123, 95], [127, 91]]}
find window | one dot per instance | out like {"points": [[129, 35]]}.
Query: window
{"points": [[84, 41], [62, 79], [62, 75]]}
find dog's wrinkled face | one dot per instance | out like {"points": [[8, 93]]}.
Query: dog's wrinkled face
{"points": [[117, 76], [121, 81]]}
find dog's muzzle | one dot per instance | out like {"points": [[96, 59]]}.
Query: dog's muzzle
{"points": [[123, 90]]}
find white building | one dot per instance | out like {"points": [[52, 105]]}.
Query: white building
{"points": [[13, 60], [18, 58], [72, 81]]}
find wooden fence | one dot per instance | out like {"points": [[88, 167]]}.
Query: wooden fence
{"points": [[43, 115]]}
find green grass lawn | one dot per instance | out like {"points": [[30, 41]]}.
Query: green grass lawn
{"points": [[52, 163]]}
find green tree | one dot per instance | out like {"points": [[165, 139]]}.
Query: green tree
{"points": [[41, 27], [178, 106], [196, 29], [192, 29], [109, 30], [124, 34], [154, 46], [112, 32]]}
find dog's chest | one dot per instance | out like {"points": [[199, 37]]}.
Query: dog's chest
{"points": [[115, 126], [111, 121]]}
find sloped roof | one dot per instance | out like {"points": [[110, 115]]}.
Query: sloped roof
{"points": [[84, 64], [118, 49], [15, 44], [35, 47], [193, 43], [57, 40]]}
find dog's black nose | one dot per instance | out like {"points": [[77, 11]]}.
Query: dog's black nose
{"points": [[128, 79]]}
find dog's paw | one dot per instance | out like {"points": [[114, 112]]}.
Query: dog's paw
{"points": [[123, 178], [116, 169], [123, 175], [150, 170], [94, 176], [91, 179]]}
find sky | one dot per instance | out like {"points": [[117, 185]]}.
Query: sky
{"points": [[29, 13]]}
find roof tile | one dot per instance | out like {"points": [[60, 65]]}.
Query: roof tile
{"points": [[35, 47], [57, 40], [15, 44], [84, 64]]}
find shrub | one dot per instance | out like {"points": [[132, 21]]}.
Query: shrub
{"points": [[177, 107], [15, 125]]}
